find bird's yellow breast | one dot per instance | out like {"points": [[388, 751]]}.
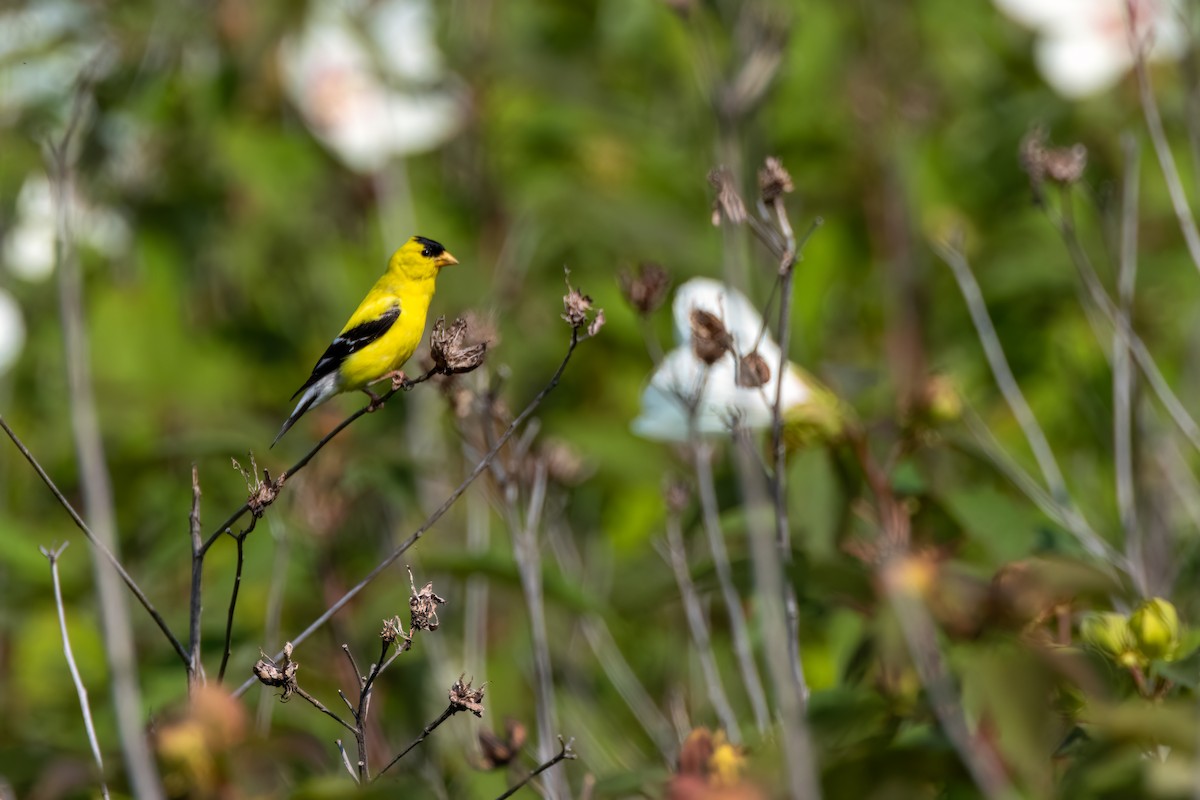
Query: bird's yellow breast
{"points": [[390, 351]]}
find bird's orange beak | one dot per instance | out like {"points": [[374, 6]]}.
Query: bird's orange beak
{"points": [[445, 260]]}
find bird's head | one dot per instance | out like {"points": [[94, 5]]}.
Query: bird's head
{"points": [[420, 259]]}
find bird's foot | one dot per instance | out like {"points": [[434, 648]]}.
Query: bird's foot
{"points": [[399, 380], [376, 401]]}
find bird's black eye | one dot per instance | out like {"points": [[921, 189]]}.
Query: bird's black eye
{"points": [[425, 252]]}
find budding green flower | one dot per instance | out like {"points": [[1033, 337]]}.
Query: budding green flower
{"points": [[1155, 627], [1109, 633]]}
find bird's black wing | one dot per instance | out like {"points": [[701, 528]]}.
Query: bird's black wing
{"points": [[349, 343]]}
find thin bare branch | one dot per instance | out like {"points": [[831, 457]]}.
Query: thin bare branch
{"points": [[450, 711], [565, 753], [195, 667], [180, 650], [676, 556], [233, 595], [702, 462], [52, 555], [346, 761]]}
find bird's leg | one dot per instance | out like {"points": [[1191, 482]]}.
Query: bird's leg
{"points": [[376, 400], [399, 379]]}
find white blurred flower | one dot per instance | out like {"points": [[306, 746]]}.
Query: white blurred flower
{"points": [[28, 250], [683, 382], [12, 331], [368, 81], [1083, 46]]}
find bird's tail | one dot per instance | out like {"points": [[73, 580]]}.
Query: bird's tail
{"points": [[314, 395]]}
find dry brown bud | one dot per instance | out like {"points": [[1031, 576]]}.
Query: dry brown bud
{"points": [[282, 674], [753, 371], [1041, 162], [728, 205], [422, 606], [499, 752], [392, 630], [563, 463], [464, 698], [773, 180], [263, 491], [576, 306], [446, 346], [710, 340], [646, 290]]}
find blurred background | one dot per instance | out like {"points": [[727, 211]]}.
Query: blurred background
{"points": [[238, 174]]}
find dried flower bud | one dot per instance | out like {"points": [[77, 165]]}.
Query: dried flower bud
{"points": [[710, 340], [753, 371], [282, 674], [422, 607], [728, 205], [646, 290], [564, 464], [446, 347], [773, 180], [576, 306], [499, 752], [464, 698], [392, 630], [1061, 164]]}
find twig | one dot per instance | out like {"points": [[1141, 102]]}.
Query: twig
{"points": [[796, 738], [180, 650], [441, 510], [1124, 378], [564, 754], [319, 706], [450, 711], [702, 461], [346, 761], [364, 705], [676, 556], [527, 552], [233, 596], [779, 477], [52, 555], [994, 352], [195, 668], [95, 480], [1162, 148]]}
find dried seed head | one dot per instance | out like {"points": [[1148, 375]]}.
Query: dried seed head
{"points": [[646, 290], [446, 346], [753, 371], [422, 607], [499, 752], [597, 323], [773, 180], [1041, 162], [464, 698], [728, 205], [710, 340], [282, 674], [263, 491], [392, 630], [576, 306]]}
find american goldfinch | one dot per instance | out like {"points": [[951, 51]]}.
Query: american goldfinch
{"points": [[383, 331]]}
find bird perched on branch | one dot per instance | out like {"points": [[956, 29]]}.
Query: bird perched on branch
{"points": [[383, 331]]}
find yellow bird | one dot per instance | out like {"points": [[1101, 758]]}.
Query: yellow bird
{"points": [[383, 331]]}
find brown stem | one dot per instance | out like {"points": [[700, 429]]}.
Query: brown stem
{"points": [[565, 753], [194, 666], [233, 597], [450, 711]]}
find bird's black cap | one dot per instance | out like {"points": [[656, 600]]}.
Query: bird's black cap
{"points": [[432, 249]]}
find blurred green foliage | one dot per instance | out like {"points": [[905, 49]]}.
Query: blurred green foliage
{"points": [[586, 132]]}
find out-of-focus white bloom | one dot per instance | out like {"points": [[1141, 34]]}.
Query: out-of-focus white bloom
{"points": [[368, 80], [1083, 46], [28, 251], [12, 331], [683, 382]]}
